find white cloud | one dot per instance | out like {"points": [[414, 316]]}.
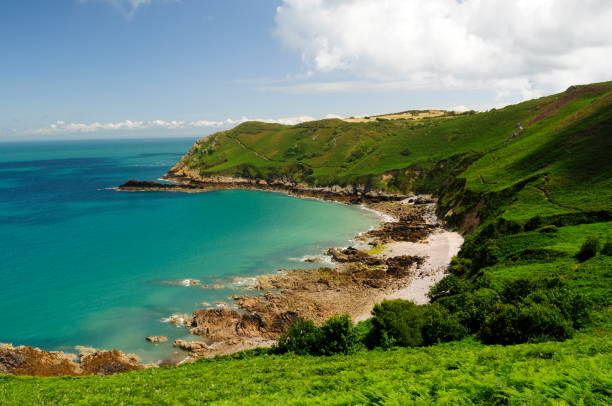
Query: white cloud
{"points": [[520, 48], [128, 8], [62, 127]]}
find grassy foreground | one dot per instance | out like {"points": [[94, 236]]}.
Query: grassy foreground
{"points": [[574, 372]]}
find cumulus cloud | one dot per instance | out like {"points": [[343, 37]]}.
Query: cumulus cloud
{"points": [[520, 48], [62, 127]]}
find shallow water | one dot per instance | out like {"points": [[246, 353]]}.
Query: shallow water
{"points": [[82, 264]]}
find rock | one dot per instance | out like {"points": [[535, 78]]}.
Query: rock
{"points": [[190, 282], [180, 319], [25, 360], [109, 362], [156, 339], [313, 259], [85, 350], [222, 324], [147, 185], [192, 346]]}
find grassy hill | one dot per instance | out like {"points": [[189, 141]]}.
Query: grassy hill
{"points": [[528, 184]]}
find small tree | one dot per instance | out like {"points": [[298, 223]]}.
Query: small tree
{"points": [[338, 336], [301, 338], [440, 325], [588, 249], [396, 323]]}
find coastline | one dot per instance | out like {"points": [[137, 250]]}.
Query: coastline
{"points": [[417, 251], [356, 281]]}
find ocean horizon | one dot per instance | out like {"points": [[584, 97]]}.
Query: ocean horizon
{"points": [[87, 265]]}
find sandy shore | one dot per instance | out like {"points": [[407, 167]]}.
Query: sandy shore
{"points": [[438, 250]]}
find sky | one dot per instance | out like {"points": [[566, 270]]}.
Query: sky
{"points": [[155, 68]]}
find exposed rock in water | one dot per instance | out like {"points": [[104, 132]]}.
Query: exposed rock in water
{"points": [[25, 360], [197, 347], [180, 319], [313, 259], [149, 185], [156, 339]]}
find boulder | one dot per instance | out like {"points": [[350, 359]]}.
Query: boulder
{"points": [[156, 339]]}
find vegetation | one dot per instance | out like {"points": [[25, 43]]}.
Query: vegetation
{"points": [[568, 373], [535, 205]]}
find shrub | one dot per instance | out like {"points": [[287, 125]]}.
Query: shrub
{"points": [[440, 325], [588, 249], [450, 285], [396, 323], [338, 336], [301, 338]]}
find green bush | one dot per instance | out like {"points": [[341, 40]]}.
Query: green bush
{"points": [[301, 338], [512, 324], [396, 323], [588, 250], [440, 325], [338, 336]]}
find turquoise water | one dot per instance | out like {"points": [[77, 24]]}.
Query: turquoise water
{"points": [[84, 265]]}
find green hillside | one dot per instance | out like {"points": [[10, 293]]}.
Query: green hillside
{"points": [[530, 186]]}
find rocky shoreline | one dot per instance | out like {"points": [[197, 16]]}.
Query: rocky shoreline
{"points": [[360, 278], [183, 183], [382, 268]]}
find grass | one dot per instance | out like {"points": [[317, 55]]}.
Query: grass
{"points": [[378, 249], [573, 372], [530, 202]]}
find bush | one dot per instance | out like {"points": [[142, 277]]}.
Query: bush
{"points": [[396, 323], [440, 325], [301, 338], [338, 336], [588, 249], [511, 324]]}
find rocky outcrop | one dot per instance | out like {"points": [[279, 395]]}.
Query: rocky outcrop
{"points": [[24, 360], [180, 319], [108, 362], [189, 180], [133, 185], [156, 339], [223, 324], [196, 347]]}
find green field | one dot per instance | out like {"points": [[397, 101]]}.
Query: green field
{"points": [[573, 372], [527, 200]]}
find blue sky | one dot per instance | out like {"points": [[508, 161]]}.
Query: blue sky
{"points": [[119, 68]]}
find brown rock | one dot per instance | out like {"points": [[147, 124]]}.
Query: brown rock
{"points": [[25, 360], [109, 362], [156, 339], [192, 346]]}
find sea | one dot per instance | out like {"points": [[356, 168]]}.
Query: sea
{"points": [[83, 264]]}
